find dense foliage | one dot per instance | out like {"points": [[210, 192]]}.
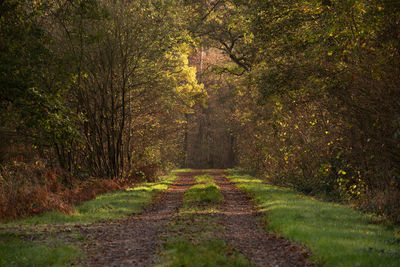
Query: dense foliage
{"points": [[304, 92], [89, 90], [318, 107], [99, 85]]}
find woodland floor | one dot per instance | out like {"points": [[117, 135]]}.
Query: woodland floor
{"points": [[136, 241]]}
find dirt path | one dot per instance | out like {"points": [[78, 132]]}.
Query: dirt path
{"points": [[242, 230], [134, 242]]}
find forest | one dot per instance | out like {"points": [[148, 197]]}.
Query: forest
{"points": [[99, 95]]}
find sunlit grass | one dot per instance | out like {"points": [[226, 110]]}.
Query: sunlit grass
{"points": [[176, 171], [108, 206], [204, 193], [14, 251], [336, 234], [205, 178]]}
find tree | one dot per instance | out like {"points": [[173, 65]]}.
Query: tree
{"points": [[32, 79]]}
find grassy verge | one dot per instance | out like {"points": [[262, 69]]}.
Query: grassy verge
{"points": [[336, 234], [192, 236], [50, 248], [110, 206]]}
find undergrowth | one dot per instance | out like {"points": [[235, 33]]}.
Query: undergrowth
{"points": [[107, 206], [28, 189], [336, 234]]}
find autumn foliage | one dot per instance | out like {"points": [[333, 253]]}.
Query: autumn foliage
{"points": [[313, 94], [93, 92], [303, 93]]}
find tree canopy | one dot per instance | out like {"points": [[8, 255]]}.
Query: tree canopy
{"points": [[306, 93]]}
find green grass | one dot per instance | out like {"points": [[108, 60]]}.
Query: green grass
{"points": [[108, 206], [50, 251], [336, 234], [207, 254], [16, 252], [205, 178], [203, 193], [176, 171], [192, 239]]}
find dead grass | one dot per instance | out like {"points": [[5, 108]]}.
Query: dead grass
{"points": [[30, 189]]}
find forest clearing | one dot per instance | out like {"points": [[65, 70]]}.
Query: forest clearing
{"points": [[199, 133]]}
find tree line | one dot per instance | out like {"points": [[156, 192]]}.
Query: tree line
{"points": [[98, 87], [306, 94], [315, 91]]}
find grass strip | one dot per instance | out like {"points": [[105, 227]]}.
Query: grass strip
{"points": [[109, 206], [336, 234], [50, 250], [192, 239], [205, 178], [202, 194]]}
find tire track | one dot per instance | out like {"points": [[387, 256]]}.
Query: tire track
{"points": [[134, 241], [242, 230]]}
